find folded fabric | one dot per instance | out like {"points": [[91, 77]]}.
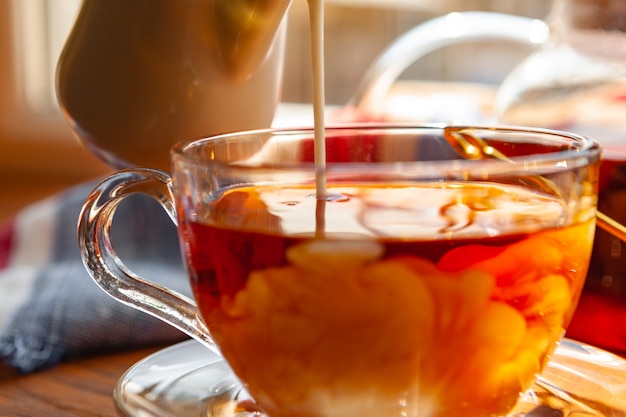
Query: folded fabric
{"points": [[51, 310]]}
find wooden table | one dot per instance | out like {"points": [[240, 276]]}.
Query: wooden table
{"points": [[81, 388]]}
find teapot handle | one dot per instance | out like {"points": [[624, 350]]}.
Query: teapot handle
{"points": [[437, 33], [105, 266]]}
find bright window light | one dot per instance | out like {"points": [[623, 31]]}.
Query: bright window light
{"points": [[41, 28]]}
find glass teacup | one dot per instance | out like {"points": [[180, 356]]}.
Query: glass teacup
{"points": [[433, 275]]}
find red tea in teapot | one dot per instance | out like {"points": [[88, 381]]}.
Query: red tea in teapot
{"points": [[601, 315]]}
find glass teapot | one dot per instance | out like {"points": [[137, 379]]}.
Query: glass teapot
{"points": [[136, 76], [575, 80]]}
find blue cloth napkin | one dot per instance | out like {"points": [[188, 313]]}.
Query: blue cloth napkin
{"points": [[51, 310]]}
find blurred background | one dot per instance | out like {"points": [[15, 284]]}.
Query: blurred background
{"points": [[40, 155]]}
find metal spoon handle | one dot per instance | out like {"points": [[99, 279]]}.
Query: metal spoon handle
{"points": [[611, 226]]}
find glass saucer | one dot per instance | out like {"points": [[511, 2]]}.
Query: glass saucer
{"points": [[188, 380]]}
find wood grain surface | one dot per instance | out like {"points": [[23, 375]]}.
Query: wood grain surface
{"points": [[82, 388]]}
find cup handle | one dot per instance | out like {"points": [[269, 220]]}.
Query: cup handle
{"points": [[107, 269], [450, 29]]}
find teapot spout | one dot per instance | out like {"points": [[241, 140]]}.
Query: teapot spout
{"points": [[245, 31]]}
